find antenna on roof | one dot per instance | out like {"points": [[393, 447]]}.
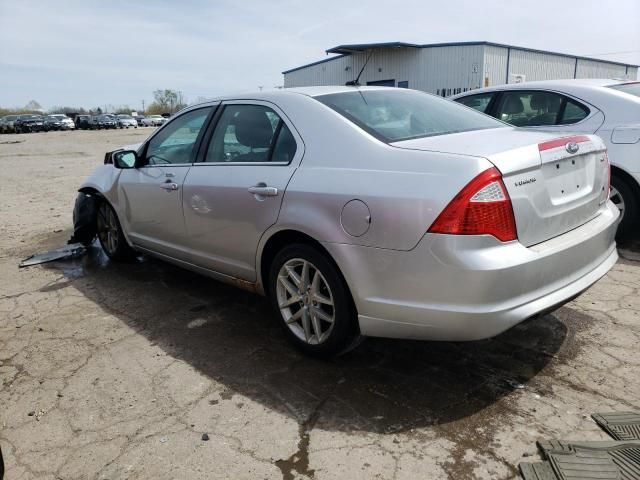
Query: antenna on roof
{"points": [[355, 83]]}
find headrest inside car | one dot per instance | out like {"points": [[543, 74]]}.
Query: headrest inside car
{"points": [[253, 128], [513, 105]]}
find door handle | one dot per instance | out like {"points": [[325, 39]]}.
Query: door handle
{"points": [[169, 186], [262, 190]]}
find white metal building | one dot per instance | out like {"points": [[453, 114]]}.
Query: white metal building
{"points": [[449, 68]]}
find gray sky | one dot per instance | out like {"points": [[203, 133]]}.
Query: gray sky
{"points": [[90, 53]]}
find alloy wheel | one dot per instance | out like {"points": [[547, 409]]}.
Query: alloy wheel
{"points": [[107, 228], [305, 301]]}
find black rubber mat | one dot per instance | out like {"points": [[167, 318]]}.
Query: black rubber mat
{"points": [[621, 426], [615, 460]]}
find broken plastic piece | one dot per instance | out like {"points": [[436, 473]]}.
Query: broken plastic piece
{"points": [[73, 250]]}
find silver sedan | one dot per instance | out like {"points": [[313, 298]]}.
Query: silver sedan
{"points": [[608, 108], [363, 211]]}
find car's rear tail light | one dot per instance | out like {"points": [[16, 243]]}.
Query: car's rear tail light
{"points": [[483, 207]]}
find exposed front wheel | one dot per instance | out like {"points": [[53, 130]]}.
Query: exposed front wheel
{"points": [[312, 301], [110, 234], [624, 197]]}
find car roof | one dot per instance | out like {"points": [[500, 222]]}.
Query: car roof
{"points": [[549, 84], [286, 92], [274, 95]]}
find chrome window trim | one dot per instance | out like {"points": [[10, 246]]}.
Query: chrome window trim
{"points": [[166, 165], [243, 164]]}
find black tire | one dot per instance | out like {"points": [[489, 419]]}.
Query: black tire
{"points": [[344, 328], [110, 234], [85, 214], [629, 222]]}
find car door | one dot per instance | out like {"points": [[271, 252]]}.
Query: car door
{"points": [[234, 194], [546, 110], [151, 194]]}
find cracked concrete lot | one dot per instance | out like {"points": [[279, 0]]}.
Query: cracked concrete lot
{"points": [[113, 371]]}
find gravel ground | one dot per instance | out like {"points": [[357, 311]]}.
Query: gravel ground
{"points": [[114, 371]]}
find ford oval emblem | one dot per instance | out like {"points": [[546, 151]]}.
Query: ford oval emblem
{"points": [[572, 147]]}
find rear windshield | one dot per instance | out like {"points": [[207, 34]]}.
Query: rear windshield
{"points": [[630, 88], [397, 114]]}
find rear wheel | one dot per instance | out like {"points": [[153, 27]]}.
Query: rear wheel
{"points": [[626, 199], [110, 234], [312, 301]]}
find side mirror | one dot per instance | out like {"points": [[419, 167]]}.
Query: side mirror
{"points": [[125, 159]]}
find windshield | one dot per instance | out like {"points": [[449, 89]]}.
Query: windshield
{"points": [[397, 114], [29, 117], [124, 116], [632, 88]]}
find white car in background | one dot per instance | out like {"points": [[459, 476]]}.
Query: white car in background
{"points": [[126, 121], [608, 108], [153, 121], [58, 121]]}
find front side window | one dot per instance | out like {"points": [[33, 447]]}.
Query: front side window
{"points": [[478, 102], [400, 114], [250, 133], [175, 143]]}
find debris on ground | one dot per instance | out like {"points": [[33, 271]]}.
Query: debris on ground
{"points": [[73, 250], [205, 437], [619, 459]]}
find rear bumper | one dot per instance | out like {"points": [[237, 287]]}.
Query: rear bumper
{"points": [[459, 288]]}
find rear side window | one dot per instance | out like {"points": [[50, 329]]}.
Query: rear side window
{"points": [[524, 108], [573, 113], [632, 88], [394, 115], [478, 102], [251, 133], [529, 109]]}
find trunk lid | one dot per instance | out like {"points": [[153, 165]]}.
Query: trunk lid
{"points": [[555, 183]]}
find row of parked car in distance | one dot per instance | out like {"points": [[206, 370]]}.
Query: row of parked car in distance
{"points": [[106, 121], [28, 123]]}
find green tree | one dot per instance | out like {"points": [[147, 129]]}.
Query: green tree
{"points": [[166, 101]]}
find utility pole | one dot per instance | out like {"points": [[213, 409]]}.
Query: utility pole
{"points": [[142, 106]]}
